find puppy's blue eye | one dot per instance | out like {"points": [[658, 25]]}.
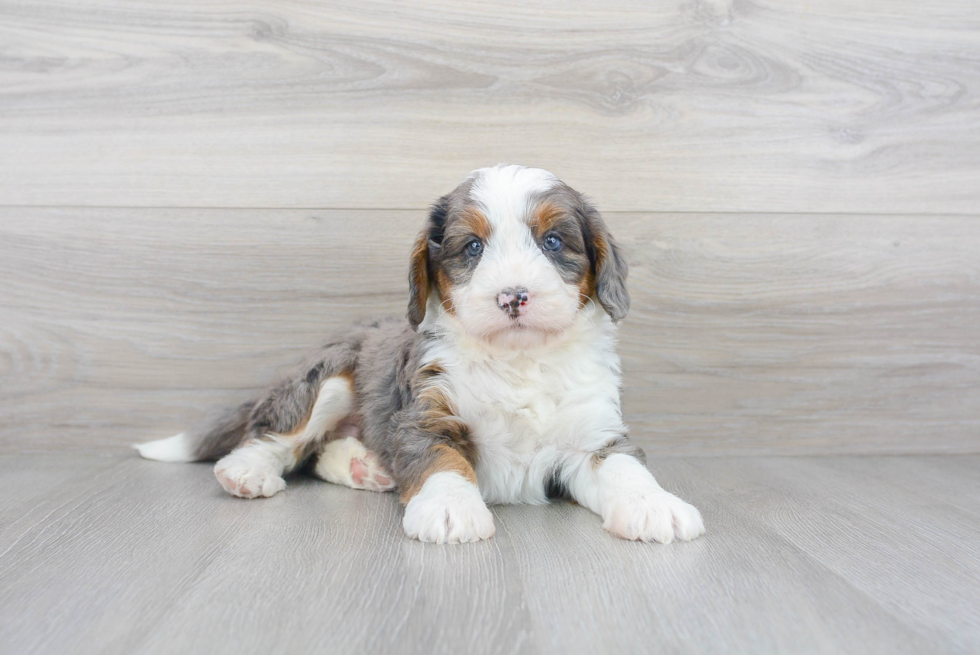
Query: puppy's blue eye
{"points": [[474, 248], [552, 243]]}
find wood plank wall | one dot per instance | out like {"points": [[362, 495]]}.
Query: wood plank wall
{"points": [[193, 193]]}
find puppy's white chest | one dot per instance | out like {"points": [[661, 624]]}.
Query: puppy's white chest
{"points": [[514, 411], [525, 417]]}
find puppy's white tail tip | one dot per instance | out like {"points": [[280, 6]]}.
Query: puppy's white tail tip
{"points": [[172, 449]]}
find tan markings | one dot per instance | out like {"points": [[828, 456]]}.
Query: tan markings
{"points": [[587, 285], [289, 437], [426, 373], [477, 222], [599, 456], [349, 376], [445, 289], [438, 417], [444, 460], [302, 448], [601, 247], [544, 218], [586, 288], [420, 261], [619, 445], [419, 278], [438, 410]]}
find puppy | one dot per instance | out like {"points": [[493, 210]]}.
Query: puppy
{"points": [[502, 388]]}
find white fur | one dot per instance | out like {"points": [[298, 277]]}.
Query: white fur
{"points": [[172, 449], [256, 468], [448, 509], [504, 190], [334, 464], [550, 408], [632, 504], [252, 471], [540, 394], [333, 460], [334, 402], [511, 258], [535, 410]]}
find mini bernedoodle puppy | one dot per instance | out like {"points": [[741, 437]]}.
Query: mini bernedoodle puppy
{"points": [[503, 387]]}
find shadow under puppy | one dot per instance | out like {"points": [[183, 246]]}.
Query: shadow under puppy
{"points": [[503, 387]]}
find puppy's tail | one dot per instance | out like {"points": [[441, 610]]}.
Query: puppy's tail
{"points": [[212, 441]]}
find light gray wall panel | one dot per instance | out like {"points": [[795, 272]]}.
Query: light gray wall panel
{"points": [[748, 333], [827, 106]]}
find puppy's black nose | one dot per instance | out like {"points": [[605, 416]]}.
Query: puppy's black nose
{"points": [[512, 301]]}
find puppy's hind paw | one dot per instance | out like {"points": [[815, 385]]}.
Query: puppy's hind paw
{"points": [[248, 481], [367, 473], [348, 462]]}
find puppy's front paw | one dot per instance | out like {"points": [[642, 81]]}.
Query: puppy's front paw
{"points": [[247, 480], [653, 515], [448, 509]]}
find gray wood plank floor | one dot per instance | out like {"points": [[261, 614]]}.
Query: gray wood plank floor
{"points": [[107, 553]]}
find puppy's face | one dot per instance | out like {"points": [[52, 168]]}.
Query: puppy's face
{"points": [[515, 254]]}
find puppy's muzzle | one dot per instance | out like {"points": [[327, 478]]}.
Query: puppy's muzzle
{"points": [[513, 301]]}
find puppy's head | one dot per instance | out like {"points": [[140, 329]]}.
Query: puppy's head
{"points": [[513, 251]]}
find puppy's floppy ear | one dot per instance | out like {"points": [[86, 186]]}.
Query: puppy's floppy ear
{"points": [[419, 277], [608, 264]]}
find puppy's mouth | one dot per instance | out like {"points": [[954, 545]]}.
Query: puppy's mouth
{"points": [[521, 321], [524, 324], [519, 318]]}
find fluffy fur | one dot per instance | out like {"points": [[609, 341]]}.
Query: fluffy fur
{"points": [[502, 388]]}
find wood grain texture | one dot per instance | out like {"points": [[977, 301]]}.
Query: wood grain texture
{"points": [[815, 290], [802, 555], [713, 105], [911, 553], [748, 334]]}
